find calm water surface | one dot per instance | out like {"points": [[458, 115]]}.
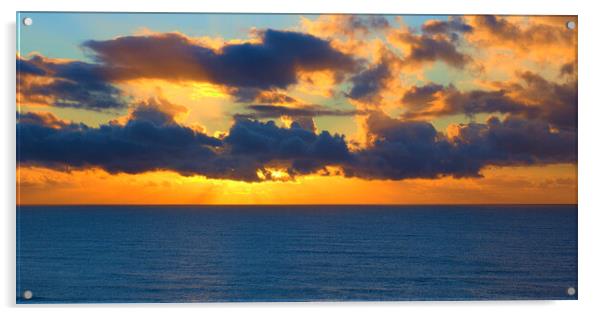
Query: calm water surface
{"points": [[295, 253]]}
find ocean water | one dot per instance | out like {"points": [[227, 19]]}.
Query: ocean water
{"points": [[295, 253]]}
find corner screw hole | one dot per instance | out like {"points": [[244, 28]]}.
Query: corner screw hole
{"points": [[570, 25], [571, 291], [27, 295]]}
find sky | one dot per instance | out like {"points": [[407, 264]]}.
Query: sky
{"points": [[296, 109]]}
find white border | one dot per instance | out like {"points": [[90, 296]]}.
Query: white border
{"points": [[590, 206], [315, 6]]}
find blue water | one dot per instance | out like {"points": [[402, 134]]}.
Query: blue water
{"points": [[295, 253]]}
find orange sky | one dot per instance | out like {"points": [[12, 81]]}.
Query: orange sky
{"points": [[556, 184]]}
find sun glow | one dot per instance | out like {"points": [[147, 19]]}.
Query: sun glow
{"points": [[206, 90], [274, 174]]}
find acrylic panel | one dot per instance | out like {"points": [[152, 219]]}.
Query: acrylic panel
{"points": [[189, 157]]}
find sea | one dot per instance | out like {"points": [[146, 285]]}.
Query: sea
{"points": [[166, 254]]}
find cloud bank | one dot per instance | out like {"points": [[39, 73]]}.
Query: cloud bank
{"points": [[400, 149]]}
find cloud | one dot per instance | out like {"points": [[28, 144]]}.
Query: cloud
{"points": [[567, 69], [299, 150], [417, 98], [301, 115], [43, 119], [512, 43], [426, 48], [247, 95], [66, 84], [404, 149], [515, 141], [357, 35], [451, 28], [26, 67], [413, 149], [433, 100], [367, 85], [251, 71], [370, 86], [138, 146], [523, 34], [530, 97], [345, 25], [157, 110], [270, 64], [262, 111], [152, 141], [556, 102]]}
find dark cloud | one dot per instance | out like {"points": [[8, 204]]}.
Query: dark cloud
{"points": [[363, 23], [26, 67], [42, 119], [245, 94], [557, 101], [152, 141], [151, 114], [427, 48], [301, 151], [275, 98], [523, 36], [368, 22], [138, 146], [406, 149], [567, 69], [67, 84], [79, 95], [250, 70], [272, 63], [249, 95], [413, 149], [499, 26], [534, 97], [262, 111], [352, 26], [451, 28], [158, 111], [301, 116], [474, 102], [367, 85], [516, 141], [417, 98], [420, 99]]}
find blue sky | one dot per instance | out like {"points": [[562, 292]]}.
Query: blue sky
{"points": [[59, 34]]}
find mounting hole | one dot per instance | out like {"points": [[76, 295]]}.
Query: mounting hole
{"points": [[571, 291], [571, 25], [27, 295], [27, 21]]}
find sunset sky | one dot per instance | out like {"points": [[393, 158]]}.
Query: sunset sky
{"points": [[296, 109]]}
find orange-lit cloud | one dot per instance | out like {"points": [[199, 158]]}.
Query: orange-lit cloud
{"points": [[506, 45]]}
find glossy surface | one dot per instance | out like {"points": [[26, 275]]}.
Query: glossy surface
{"points": [[295, 253]]}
